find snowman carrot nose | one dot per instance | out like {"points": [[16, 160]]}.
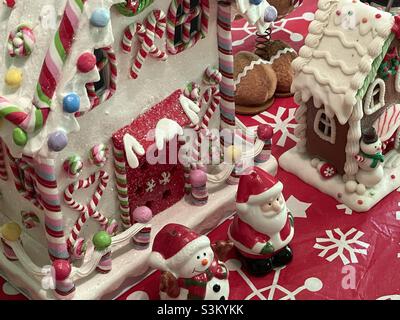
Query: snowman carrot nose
{"points": [[204, 262]]}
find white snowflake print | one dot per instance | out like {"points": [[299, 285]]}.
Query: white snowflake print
{"points": [[166, 178], [398, 213], [329, 172], [297, 208], [278, 26], [151, 185], [342, 244], [311, 284], [285, 126], [346, 209]]}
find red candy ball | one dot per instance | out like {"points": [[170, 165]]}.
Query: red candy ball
{"points": [[265, 132], [86, 62], [62, 269]]}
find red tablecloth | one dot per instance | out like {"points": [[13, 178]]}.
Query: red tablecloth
{"points": [[338, 254]]}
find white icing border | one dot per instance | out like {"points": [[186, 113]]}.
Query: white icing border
{"points": [[332, 124], [260, 62], [369, 106]]}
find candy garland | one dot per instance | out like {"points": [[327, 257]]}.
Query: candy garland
{"points": [[173, 21], [21, 41], [3, 168], [111, 62], [154, 25], [227, 85], [122, 186], [48, 79], [98, 155], [73, 166], [89, 210]]}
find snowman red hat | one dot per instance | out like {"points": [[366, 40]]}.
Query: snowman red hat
{"points": [[174, 245], [257, 186]]}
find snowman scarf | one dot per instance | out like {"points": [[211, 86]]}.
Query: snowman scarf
{"points": [[197, 285], [376, 158]]}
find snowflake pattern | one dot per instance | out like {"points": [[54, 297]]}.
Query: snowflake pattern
{"points": [[310, 284], [285, 126], [329, 172], [279, 26], [346, 209], [166, 178], [150, 185], [342, 244], [297, 208]]}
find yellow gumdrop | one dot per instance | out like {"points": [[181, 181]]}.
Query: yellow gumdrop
{"points": [[233, 154], [11, 231], [14, 77]]}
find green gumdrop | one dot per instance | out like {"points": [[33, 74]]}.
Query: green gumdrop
{"points": [[20, 137], [101, 240]]}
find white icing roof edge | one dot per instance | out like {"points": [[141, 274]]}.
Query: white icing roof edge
{"points": [[343, 41]]}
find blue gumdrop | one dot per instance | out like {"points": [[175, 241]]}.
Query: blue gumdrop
{"points": [[71, 103], [256, 2], [270, 14], [100, 18], [57, 141]]}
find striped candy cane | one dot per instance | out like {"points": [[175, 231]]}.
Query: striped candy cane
{"points": [[154, 26], [3, 168], [95, 99], [89, 210], [50, 74]]}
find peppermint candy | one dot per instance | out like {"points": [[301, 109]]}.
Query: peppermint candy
{"points": [[21, 42]]}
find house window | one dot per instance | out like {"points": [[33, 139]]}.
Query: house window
{"points": [[375, 98], [325, 127], [189, 19], [103, 89]]}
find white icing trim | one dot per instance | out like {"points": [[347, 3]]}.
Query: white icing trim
{"points": [[166, 130], [328, 123], [369, 104], [334, 62], [132, 147], [349, 45], [262, 61], [300, 131], [190, 108]]}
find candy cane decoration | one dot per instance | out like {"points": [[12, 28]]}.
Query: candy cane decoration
{"points": [[3, 168], [89, 210], [154, 26], [57, 55], [111, 62]]}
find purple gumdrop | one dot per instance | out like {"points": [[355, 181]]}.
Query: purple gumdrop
{"points": [[270, 14], [57, 141]]}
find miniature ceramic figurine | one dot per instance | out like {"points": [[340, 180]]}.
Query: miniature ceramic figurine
{"points": [[370, 159], [190, 264], [263, 227]]}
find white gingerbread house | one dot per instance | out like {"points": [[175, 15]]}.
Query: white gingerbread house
{"points": [[84, 84]]}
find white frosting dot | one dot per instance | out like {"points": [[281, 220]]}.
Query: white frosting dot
{"points": [[296, 37], [313, 284], [138, 295]]}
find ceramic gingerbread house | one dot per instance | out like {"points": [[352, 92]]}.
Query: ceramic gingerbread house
{"points": [[348, 99], [95, 102]]}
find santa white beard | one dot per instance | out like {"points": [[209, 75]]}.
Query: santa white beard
{"points": [[269, 225]]}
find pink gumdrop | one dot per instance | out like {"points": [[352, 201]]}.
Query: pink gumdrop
{"points": [[198, 178], [265, 132], [86, 62], [142, 215], [62, 269]]}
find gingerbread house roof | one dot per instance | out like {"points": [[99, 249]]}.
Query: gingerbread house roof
{"points": [[346, 43]]}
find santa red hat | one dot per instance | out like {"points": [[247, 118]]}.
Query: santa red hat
{"points": [[174, 245], [257, 186]]}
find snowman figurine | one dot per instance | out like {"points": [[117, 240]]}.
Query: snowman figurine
{"points": [[370, 159], [262, 228], [189, 264]]}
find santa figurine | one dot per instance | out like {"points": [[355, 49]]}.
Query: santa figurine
{"points": [[190, 265], [262, 228]]}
